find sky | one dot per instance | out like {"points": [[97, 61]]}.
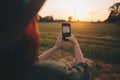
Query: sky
{"points": [[84, 10]]}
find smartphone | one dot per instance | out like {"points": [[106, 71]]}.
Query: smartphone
{"points": [[66, 30]]}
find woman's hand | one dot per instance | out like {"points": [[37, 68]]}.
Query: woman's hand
{"points": [[72, 39], [59, 41], [78, 53]]}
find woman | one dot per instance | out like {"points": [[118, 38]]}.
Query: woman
{"points": [[20, 46]]}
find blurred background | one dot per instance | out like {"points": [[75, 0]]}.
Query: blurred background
{"points": [[95, 24]]}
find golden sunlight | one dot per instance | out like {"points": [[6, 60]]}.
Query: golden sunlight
{"points": [[83, 10], [80, 11], [79, 15]]}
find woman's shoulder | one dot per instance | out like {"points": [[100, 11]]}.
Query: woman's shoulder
{"points": [[48, 70], [52, 70]]}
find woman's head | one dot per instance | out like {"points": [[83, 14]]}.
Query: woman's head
{"points": [[26, 48], [18, 19], [20, 37], [15, 17], [22, 54]]}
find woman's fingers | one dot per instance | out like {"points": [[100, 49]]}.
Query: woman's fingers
{"points": [[60, 36]]}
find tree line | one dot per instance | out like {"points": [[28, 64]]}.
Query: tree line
{"points": [[114, 16], [50, 19]]}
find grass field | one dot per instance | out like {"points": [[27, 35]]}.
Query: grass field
{"points": [[100, 43]]}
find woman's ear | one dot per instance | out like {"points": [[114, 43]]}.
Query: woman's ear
{"points": [[32, 29], [38, 18]]}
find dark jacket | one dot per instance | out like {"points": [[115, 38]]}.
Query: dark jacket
{"points": [[55, 71]]}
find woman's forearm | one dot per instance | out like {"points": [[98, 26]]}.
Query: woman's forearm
{"points": [[78, 54], [47, 54]]}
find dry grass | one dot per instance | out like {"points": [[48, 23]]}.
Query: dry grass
{"points": [[97, 70], [100, 44]]}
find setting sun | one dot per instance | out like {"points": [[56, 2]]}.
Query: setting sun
{"points": [[79, 13]]}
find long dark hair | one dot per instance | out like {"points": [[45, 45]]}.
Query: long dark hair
{"points": [[23, 53]]}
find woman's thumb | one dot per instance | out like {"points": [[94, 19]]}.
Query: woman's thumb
{"points": [[68, 38]]}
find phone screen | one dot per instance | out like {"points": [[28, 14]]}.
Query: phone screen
{"points": [[66, 29]]}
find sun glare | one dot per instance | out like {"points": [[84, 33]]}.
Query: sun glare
{"points": [[79, 12], [79, 15]]}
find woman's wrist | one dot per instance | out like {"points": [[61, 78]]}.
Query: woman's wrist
{"points": [[75, 43], [56, 47]]}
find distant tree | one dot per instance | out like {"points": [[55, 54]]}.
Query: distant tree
{"points": [[70, 18], [115, 9], [59, 20], [98, 21], [114, 15], [47, 19], [78, 20]]}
